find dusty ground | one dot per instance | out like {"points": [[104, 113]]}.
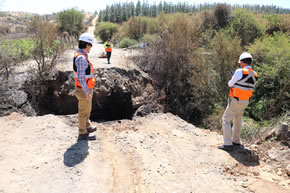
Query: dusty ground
{"points": [[158, 153], [118, 59]]}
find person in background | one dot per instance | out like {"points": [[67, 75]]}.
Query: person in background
{"points": [[84, 83], [241, 86], [108, 48]]}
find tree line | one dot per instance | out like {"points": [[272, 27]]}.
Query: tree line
{"points": [[120, 12]]}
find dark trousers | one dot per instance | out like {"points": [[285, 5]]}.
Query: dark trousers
{"points": [[108, 56]]}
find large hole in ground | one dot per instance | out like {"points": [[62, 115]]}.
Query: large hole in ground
{"points": [[116, 106], [110, 102]]}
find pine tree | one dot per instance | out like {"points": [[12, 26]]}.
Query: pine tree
{"points": [[160, 7], [124, 12], [100, 16], [138, 8], [106, 15], [154, 11]]}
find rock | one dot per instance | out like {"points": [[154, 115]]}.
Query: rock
{"points": [[256, 173], [13, 100], [282, 132], [244, 186], [254, 147], [288, 170]]}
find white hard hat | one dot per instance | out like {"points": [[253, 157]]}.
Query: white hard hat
{"points": [[86, 37], [245, 55]]}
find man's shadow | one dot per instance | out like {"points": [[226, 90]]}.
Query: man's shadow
{"points": [[245, 156], [76, 153]]}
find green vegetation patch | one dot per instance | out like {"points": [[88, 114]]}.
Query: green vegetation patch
{"points": [[105, 30], [18, 49], [127, 42]]}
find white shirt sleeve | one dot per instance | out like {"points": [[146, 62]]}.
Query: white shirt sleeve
{"points": [[237, 76]]}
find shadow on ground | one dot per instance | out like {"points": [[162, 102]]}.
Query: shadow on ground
{"points": [[245, 156], [76, 153]]}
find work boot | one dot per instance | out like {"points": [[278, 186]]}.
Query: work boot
{"points": [[86, 137], [226, 147], [91, 129], [236, 144]]}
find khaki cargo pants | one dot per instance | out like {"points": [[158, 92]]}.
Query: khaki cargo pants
{"points": [[233, 113], [84, 107]]}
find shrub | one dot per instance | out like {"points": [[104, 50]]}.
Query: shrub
{"points": [[18, 49], [127, 42], [225, 53], [147, 38], [105, 30], [222, 14], [169, 54], [272, 62], [5, 29], [171, 60], [71, 21], [209, 22], [13, 52], [120, 34], [245, 25], [278, 23], [47, 49], [137, 27], [214, 120]]}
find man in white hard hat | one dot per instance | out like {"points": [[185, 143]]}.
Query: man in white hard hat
{"points": [[84, 83], [241, 86]]}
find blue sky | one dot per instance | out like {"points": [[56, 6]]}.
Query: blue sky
{"points": [[53, 6]]}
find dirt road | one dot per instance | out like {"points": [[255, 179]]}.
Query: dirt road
{"points": [[119, 56]]}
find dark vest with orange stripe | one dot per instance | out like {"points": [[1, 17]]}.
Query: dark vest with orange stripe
{"points": [[243, 89], [90, 79]]}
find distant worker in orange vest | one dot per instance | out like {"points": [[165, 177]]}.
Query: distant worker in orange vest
{"points": [[84, 83], [108, 48], [241, 86]]}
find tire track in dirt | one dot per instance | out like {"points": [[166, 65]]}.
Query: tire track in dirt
{"points": [[124, 171]]}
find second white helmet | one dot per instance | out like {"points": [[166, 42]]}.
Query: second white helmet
{"points": [[245, 55], [87, 37]]}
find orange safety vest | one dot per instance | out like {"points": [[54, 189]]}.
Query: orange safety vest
{"points": [[90, 78], [108, 46], [243, 89]]}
